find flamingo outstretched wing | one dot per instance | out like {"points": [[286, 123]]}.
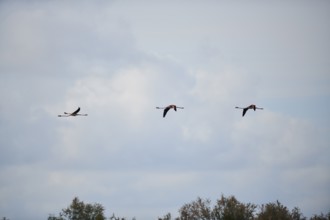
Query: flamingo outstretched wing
{"points": [[166, 110], [76, 112], [244, 111]]}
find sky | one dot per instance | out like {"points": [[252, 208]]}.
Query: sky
{"points": [[118, 60]]}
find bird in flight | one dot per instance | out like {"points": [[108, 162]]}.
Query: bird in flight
{"points": [[75, 113], [166, 109], [254, 107]]}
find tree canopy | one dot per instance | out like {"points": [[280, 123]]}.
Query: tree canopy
{"points": [[225, 208], [78, 210]]}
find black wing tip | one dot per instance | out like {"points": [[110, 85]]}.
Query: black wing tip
{"points": [[244, 112]]}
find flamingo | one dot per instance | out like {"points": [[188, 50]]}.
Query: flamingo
{"points": [[75, 113], [254, 107], [166, 109]]}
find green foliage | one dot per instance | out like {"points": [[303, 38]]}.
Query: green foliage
{"points": [[296, 214], [321, 217], [51, 217], [274, 211], [78, 210], [113, 217], [231, 209], [196, 210], [166, 217], [277, 211], [226, 208]]}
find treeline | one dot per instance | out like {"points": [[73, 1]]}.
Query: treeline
{"points": [[226, 208]]}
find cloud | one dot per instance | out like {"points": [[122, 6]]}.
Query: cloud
{"points": [[286, 149], [45, 38]]}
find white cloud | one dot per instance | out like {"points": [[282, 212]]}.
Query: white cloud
{"points": [[286, 151], [224, 85], [200, 133]]}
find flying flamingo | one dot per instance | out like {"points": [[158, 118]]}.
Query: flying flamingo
{"points": [[75, 113], [168, 108], [247, 108]]}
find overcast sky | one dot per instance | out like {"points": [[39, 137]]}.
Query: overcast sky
{"points": [[118, 60]]}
